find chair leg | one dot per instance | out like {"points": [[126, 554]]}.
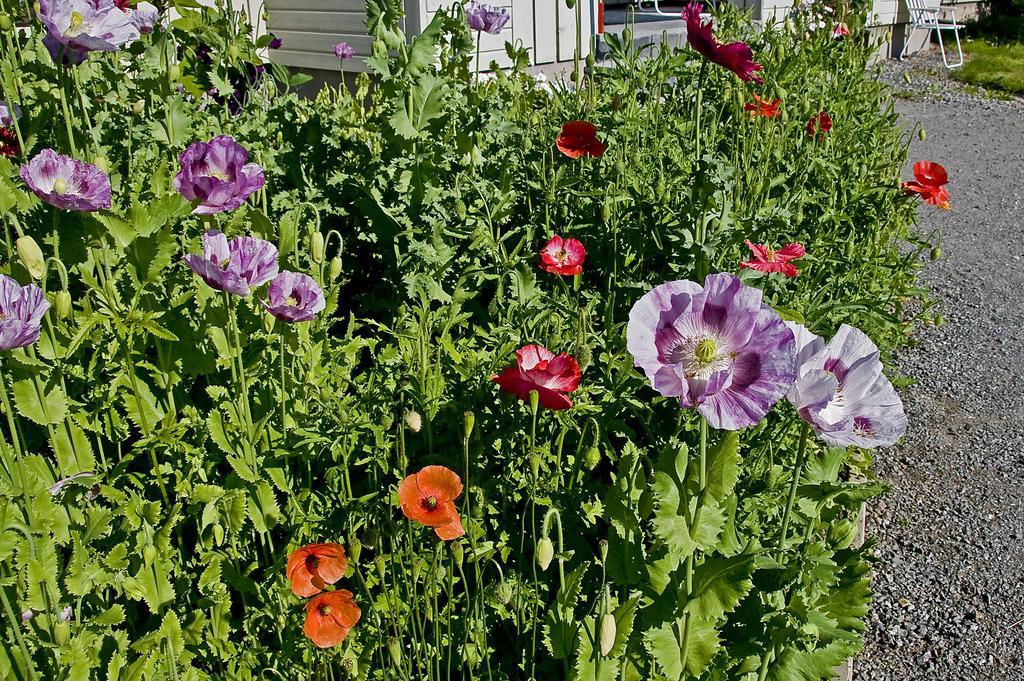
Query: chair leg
{"points": [[942, 48]]}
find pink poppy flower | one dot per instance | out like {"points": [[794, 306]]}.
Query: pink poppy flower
{"points": [[767, 260], [537, 368], [562, 256]]}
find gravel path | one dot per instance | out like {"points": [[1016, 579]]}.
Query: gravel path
{"points": [[950, 573]]}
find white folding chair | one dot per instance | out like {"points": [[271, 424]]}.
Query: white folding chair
{"points": [[925, 15]]}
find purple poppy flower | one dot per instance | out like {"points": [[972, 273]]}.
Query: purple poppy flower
{"points": [[841, 390], [216, 174], [144, 17], [65, 614], [294, 297], [716, 348], [275, 42], [21, 313], [486, 18], [9, 112], [203, 54], [56, 488], [27, 615], [344, 51], [236, 266], [61, 53], [66, 182], [87, 25]]}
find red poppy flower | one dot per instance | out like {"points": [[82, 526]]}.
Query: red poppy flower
{"points": [[537, 368], [820, 122], [9, 142], [766, 108], [329, 616], [428, 497], [929, 181], [767, 260], [122, 5], [579, 138], [737, 57], [562, 256], [314, 566], [840, 31]]}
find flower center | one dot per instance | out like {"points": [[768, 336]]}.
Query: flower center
{"points": [[291, 301], [562, 255], [706, 351], [77, 22], [220, 175], [323, 610], [60, 185], [312, 563], [430, 503]]}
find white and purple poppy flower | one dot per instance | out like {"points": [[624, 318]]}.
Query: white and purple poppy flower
{"points": [[486, 18], [61, 53], [144, 16], [9, 112], [294, 297], [66, 182], [58, 486], [236, 266], [87, 25], [715, 348], [65, 614], [21, 313], [842, 393], [344, 51], [217, 175]]}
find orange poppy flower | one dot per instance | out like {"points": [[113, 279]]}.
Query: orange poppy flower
{"points": [[428, 497], [930, 181], [314, 566], [579, 138], [329, 616], [766, 108]]}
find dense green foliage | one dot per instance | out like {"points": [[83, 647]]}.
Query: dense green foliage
{"points": [[213, 450]]}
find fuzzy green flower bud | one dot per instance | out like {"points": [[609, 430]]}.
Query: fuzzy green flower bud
{"points": [[395, 651], [468, 421], [381, 567], [6, 23], [535, 464], [534, 401], [921, 134], [62, 304], [316, 247], [607, 633], [457, 553], [233, 53], [936, 253], [591, 60], [504, 592], [138, 107], [545, 553], [591, 458], [355, 547], [335, 269], [31, 256]]}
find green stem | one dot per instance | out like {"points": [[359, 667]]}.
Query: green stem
{"points": [[17, 634], [701, 483], [801, 460]]}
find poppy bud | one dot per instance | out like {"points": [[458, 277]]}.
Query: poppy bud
{"points": [[460, 208], [350, 666], [535, 464], [6, 23], [602, 549], [939, 320], [457, 553], [62, 304], [335, 269], [381, 568], [607, 633], [62, 632], [355, 547], [591, 60], [395, 651], [413, 421], [534, 401], [584, 355], [620, 167], [174, 72], [31, 256], [492, 307], [936, 253], [545, 552], [468, 420], [575, 75], [592, 458], [417, 570], [138, 107], [387, 420], [921, 135], [370, 537], [316, 247], [504, 592]]}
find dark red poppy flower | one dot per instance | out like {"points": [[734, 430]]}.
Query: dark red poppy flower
{"points": [[329, 616], [314, 566], [820, 122], [562, 256], [428, 497], [9, 142], [767, 260], [537, 368], [737, 57], [766, 108], [929, 181], [579, 138]]}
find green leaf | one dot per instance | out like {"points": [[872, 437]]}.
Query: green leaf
{"points": [[49, 410], [723, 466], [110, 617], [719, 584], [154, 586], [808, 665], [73, 450], [590, 666], [424, 103], [665, 645]]}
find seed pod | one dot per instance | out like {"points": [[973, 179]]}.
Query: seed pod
{"points": [[607, 633], [602, 549], [316, 247], [395, 651], [62, 304], [335, 269], [6, 23], [936, 253], [457, 553], [592, 458], [921, 134], [31, 256], [355, 547], [504, 592], [468, 421], [413, 421], [138, 107], [545, 553]]}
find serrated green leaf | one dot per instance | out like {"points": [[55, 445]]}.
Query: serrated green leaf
{"points": [[723, 467], [719, 584], [793, 664], [48, 409], [664, 643], [590, 666]]}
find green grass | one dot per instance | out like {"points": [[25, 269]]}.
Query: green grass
{"points": [[999, 67]]}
